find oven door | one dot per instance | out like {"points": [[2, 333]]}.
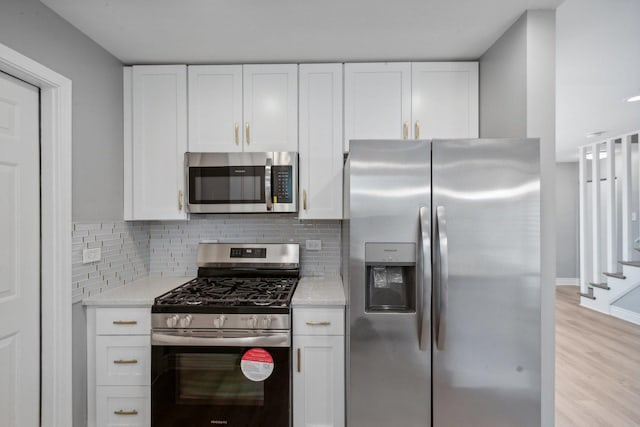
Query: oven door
{"points": [[198, 380]]}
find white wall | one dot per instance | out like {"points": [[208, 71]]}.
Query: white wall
{"points": [[503, 85], [34, 30], [517, 99], [597, 61]]}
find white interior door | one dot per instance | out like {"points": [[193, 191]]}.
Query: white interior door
{"points": [[19, 254]]}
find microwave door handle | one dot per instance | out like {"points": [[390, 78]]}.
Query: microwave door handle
{"points": [[267, 185]]}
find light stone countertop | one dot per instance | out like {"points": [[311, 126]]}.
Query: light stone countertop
{"points": [[319, 291], [311, 291], [139, 293]]}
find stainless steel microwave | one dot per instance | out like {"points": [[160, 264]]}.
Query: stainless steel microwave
{"points": [[241, 182]]}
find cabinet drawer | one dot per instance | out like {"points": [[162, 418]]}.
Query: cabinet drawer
{"points": [[123, 360], [123, 406], [123, 321], [318, 321]]}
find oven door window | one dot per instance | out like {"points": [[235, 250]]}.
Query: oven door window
{"points": [[214, 379], [194, 386], [226, 184]]}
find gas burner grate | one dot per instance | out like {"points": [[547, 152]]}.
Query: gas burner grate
{"points": [[232, 291]]}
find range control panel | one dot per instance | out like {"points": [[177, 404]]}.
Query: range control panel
{"points": [[248, 252], [282, 183]]}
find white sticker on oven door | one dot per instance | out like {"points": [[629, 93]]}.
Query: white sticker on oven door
{"points": [[257, 364]]}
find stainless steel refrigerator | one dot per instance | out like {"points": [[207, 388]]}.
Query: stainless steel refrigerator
{"points": [[442, 266]]}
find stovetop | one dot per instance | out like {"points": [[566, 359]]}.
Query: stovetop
{"points": [[204, 294], [237, 278]]}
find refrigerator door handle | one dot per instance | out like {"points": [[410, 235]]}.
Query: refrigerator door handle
{"points": [[425, 284], [443, 277]]}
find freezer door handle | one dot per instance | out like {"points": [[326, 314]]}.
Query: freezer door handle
{"points": [[442, 281], [425, 278]]}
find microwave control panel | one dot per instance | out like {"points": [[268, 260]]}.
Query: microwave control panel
{"points": [[282, 184]]}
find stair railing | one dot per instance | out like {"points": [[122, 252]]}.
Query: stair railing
{"points": [[593, 238]]}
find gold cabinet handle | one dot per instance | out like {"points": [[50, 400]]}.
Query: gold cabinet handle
{"points": [[236, 131], [299, 357], [246, 133], [125, 322], [125, 362], [304, 199], [405, 130], [318, 323], [123, 412], [179, 200], [417, 129]]}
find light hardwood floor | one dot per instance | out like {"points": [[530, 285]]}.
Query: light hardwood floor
{"points": [[597, 366]]}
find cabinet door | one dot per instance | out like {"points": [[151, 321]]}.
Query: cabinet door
{"points": [[318, 381], [123, 406], [377, 101], [444, 100], [270, 107], [215, 108], [320, 157], [159, 109], [123, 360]]}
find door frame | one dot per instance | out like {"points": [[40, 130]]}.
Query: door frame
{"points": [[55, 173]]}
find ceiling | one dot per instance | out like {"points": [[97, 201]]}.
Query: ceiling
{"points": [[597, 41], [241, 31]]}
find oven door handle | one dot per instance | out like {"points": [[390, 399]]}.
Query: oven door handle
{"points": [[262, 340]]}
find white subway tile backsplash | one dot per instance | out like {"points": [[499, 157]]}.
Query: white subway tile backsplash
{"points": [[125, 247], [131, 250], [173, 246]]}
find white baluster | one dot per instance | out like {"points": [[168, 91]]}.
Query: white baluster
{"points": [[584, 239], [626, 184], [612, 228], [595, 211]]}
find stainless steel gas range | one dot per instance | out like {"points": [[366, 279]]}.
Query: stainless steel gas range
{"points": [[221, 342]]}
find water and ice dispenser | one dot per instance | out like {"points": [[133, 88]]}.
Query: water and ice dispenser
{"points": [[390, 277]]}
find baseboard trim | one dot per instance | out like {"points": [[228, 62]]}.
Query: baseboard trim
{"points": [[567, 281], [625, 314]]}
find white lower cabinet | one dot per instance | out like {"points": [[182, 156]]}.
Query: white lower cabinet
{"points": [[118, 367], [318, 371], [123, 360], [123, 406]]}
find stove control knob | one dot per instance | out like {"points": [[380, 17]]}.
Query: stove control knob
{"points": [[218, 322], [185, 322], [266, 321], [253, 321], [172, 321]]}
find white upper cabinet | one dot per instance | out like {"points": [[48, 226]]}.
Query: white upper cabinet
{"points": [[377, 101], [420, 100], [215, 108], [154, 151], [444, 98], [320, 155], [270, 107], [243, 108]]}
